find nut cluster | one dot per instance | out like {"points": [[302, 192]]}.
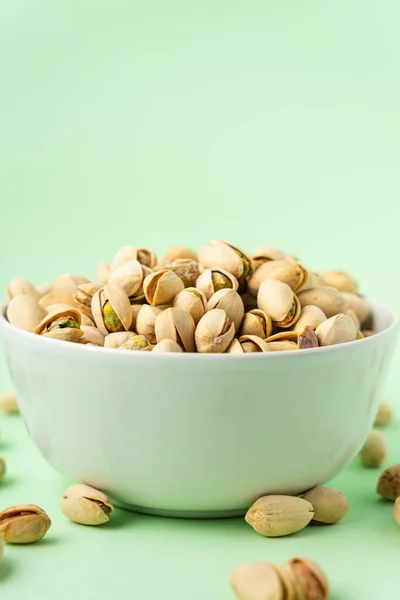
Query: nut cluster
{"points": [[218, 300]]}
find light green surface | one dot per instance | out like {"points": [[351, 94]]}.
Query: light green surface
{"points": [[175, 122]]}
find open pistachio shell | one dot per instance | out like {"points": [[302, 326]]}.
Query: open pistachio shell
{"points": [[63, 290], [103, 273], [91, 335], [161, 287], [278, 301], [215, 279], [24, 312], [145, 321], [264, 254], [115, 340], [176, 252], [84, 295], [235, 347], [214, 332], [340, 280], [129, 276], [252, 343], [126, 253], [226, 256], [137, 343], [359, 306], [187, 269], [257, 322], [336, 330], [192, 300], [293, 340], [111, 309], [350, 312], [85, 320], [167, 346], [328, 299], [286, 270], [311, 316], [61, 325], [313, 280], [135, 311], [257, 581], [305, 578], [307, 339], [231, 303], [177, 325], [19, 286]]}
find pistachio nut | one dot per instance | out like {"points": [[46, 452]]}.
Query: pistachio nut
{"points": [[305, 579], [286, 270], [384, 414], [61, 325], [63, 290], [336, 330], [275, 516], [111, 309], [24, 312], [231, 303], [224, 255], [84, 295], [264, 254], [313, 280], [375, 449], [328, 299], [249, 301], [396, 511], [138, 343], [85, 505], [310, 316], [257, 581], [360, 335], [235, 347], [187, 269], [341, 281], [161, 287], [352, 314], [167, 346], [214, 332], [145, 321], [23, 524], [8, 401], [389, 483], [85, 320], [215, 279], [278, 300], [281, 346], [44, 288], [135, 308], [330, 505], [359, 306], [2, 467], [252, 343], [193, 301], [115, 340], [307, 339], [91, 335], [256, 322], [145, 256], [367, 332], [176, 252], [103, 273], [129, 276], [177, 325], [21, 287]]}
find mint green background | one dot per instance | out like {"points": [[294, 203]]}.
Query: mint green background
{"points": [[158, 123]]}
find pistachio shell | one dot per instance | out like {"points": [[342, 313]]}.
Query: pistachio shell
{"points": [[119, 302], [313, 280], [257, 322], [336, 330], [176, 252], [340, 280], [67, 334], [214, 332], [257, 581], [145, 321], [375, 450], [252, 343], [23, 524], [205, 282], [282, 345], [389, 483], [266, 253], [25, 313], [275, 516], [285, 270], [44, 288], [128, 275], [85, 505], [188, 270], [177, 325], [91, 335], [103, 273], [293, 340], [126, 253], [193, 301], [288, 336], [278, 301], [367, 333], [307, 339], [235, 347], [137, 343], [352, 314], [18, 287], [359, 306], [310, 316], [167, 346], [115, 340], [135, 311], [328, 299], [161, 287], [64, 289], [305, 578], [226, 256], [330, 505], [84, 295], [384, 414], [85, 320], [231, 303], [8, 401]]}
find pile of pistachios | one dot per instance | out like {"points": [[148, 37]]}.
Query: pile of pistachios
{"points": [[218, 300]]}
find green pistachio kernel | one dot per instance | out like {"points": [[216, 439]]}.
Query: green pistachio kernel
{"points": [[111, 320], [136, 342], [63, 323], [220, 281], [246, 263]]}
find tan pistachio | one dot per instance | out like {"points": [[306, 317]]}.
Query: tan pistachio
{"points": [[84, 295], [328, 299], [215, 279], [64, 324], [23, 524], [231, 303], [167, 346], [91, 335], [85, 320], [24, 312], [367, 332], [396, 511], [389, 483], [313, 280], [85, 505], [257, 581], [63, 290], [359, 306], [145, 321], [177, 325], [307, 339], [384, 414], [214, 332], [275, 516], [352, 314], [375, 449], [279, 301], [8, 401], [340, 280], [44, 288], [137, 343], [310, 316], [161, 287], [282, 346], [330, 505], [135, 308], [103, 273], [336, 330], [226, 256], [360, 335], [256, 322], [18, 287], [115, 340], [129, 275], [285, 270], [111, 309], [187, 269], [176, 252], [235, 347], [304, 579], [251, 343], [266, 253], [293, 340], [144, 255], [192, 300]]}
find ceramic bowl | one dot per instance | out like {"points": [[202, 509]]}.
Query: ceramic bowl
{"points": [[199, 435]]}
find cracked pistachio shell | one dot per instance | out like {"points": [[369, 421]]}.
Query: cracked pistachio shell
{"points": [[115, 340], [60, 316], [313, 280], [252, 343], [330, 505], [137, 343], [84, 295], [311, 316], [176, 252], [384, 414], [340, 280], [135, 308], [336, 330], [85, 505], [167, 346], [91, 335], [193, 301], [138, 297], [282, 345], [161, 287], [278, 301], [266, 253], [25, 313], [103, 273], [145, 321], [23, 524], [214, 332], [85, 320], [275, 516], [44, 288], [226, 256], [215, 279], [177, 325], [375, 449], [145, 256], [389, 483], [231, 303], [129, 276], [256, 322], [328, 299], [235, 347], [286, 270], [307, 339], [187, 269], [304, 579], [359, 306], [18, 287], [257, 581], [118, 301], [8, 401]]}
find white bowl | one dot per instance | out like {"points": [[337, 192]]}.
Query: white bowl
{"points": [[199, 435]]}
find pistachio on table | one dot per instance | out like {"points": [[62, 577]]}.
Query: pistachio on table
{"points": [[23, 524], [304, 579], [389, 483], [330, 505], [2, 467], [383, 414], [375, 449], [8, 401], [275, 516], [85, 505]]}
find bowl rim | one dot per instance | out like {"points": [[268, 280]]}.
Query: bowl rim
{"points": [[376, 306]]}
